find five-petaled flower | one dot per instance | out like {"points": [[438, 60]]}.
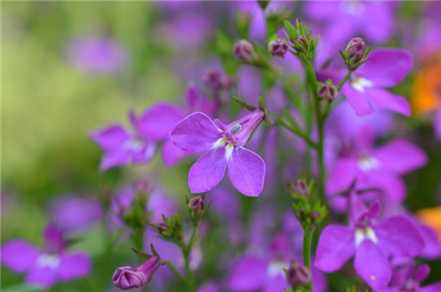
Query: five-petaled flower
{"points": [[44, 267], [371, 240], [383, 68], [222, 147]]}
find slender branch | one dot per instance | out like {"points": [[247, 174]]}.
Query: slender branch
{"points": [[282, 122], [174, 270]]}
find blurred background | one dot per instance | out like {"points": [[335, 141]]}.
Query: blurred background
{"points": [[69, 68]]}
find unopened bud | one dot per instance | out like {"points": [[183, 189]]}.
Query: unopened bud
{"points": [[301, 187], [278, 47], [197, 205], [355, 53], [217, 80], [244, 51], [328, 91], [128, 277], [298, 275]]}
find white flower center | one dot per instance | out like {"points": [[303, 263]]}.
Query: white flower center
{"points": [[222, 142], [368, 163], [360, 84], [229, 151], [276, 268], [48, 261], [362, 234], [134, 144]]}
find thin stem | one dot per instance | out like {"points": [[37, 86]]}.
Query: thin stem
{"points": [[311, 81], [307, 246], [297, 132], [186, 251], [174, 270]]}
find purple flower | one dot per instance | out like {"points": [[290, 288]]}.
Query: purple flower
{"points": [[222, 147], [97, 55], [127, 277], [384, 68], [268, 272], [375, 167], [408, 277], [44, 267], [122, 147], [344, 19], [73, 214], [372, 241]]}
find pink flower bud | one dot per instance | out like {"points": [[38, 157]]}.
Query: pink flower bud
{"points": [[127, 277]]}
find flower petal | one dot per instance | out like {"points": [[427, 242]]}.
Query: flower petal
{"points": [[43, 277], [74, 265], [386, 67], [357, 100], [110, 138], [383, 99], [335, 247], [158, 121], [246, 171], [372, 265], [248, 274], [431, 288], [196, 133], [398, 236], [207, 171], [400, 156], [341, 175], [18, 255], [171, 154]]}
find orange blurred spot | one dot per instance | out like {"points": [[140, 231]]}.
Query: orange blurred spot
{"points": [[426, 91], [432, 218]]}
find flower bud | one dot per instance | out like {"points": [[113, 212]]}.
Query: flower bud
{"points": [[244, 51], [355, 53], [127, 277], [298, 275], [300, 186], [196, 205], [328, 91], [278, 47]]}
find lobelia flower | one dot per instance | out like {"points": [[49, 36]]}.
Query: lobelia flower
{"points": [[371, 241], [408, 277], [383, 68], [128, 277], [49, 265], [97, 55], [222, 147], [379, 167], [268, 271], [122, 147]]}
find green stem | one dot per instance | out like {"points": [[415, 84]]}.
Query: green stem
{"points": [[308, 237], [297, 132], [174, 270], [186, 251], [312, 82]]}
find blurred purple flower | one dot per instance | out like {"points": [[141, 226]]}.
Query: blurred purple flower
{"points": [[222, 146], [384, 68], [408, 277], [371, 240], [375, 167], [97, 55], [345, 19], [267, 272], [122, 147], [44, 267], [72, 213]]}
